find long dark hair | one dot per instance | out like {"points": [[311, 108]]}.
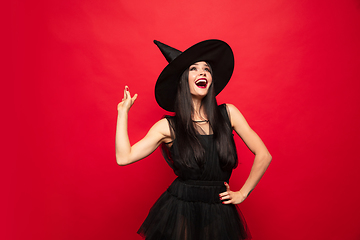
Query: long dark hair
{"points": [[187, 136]]}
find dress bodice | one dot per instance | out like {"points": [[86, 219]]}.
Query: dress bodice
{"points": [[210, 169]]}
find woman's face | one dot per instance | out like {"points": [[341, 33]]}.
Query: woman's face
{"points": [[200, 79]]}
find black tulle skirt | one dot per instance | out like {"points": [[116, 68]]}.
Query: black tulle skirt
{"points": [[192, 210]]}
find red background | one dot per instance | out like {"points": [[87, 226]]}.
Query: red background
{"points": [[296, 80]]}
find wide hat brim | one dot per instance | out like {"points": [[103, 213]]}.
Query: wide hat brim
{"points": [[216, 52]]}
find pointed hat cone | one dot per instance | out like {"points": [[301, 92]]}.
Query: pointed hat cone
{"points": [[169, 53]]}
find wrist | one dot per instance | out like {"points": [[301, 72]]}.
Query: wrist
{"points": [[242, 194], [245, 192], [122, 111]]}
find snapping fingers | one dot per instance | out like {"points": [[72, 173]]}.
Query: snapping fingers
{"points": [[127, 100]]}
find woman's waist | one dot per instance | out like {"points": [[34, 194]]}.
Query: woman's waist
{"points": [[197, 190]]}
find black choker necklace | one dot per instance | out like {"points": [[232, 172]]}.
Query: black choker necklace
{"points": [[200, 121]]}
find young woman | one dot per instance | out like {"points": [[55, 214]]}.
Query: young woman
{"points": [[198, 144]]}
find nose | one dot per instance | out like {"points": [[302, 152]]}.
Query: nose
{"points": [[202, 72]]}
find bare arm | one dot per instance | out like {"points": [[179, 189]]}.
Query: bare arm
{"points": [[256, 145], [127, 154]]}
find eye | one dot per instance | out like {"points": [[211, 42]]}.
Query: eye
{"points": [[192, 68], [208, 70]]}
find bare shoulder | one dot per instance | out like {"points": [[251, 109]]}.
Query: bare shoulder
{"points": [[235, 115], [231, 108], [162, 127]]}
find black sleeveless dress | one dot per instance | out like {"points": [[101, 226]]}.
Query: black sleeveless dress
{"points": [[190, 209]]}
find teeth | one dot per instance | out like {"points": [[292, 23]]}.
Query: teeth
{"points": [[201, 81]]}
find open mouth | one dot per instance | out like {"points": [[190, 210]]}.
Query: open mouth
{"points": [[201, 83]]}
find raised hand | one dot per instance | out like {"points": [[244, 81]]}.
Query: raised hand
{"points": [[231, 197], [127, 101]]}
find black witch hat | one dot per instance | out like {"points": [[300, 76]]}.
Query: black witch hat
{"points": [[216, 52]]}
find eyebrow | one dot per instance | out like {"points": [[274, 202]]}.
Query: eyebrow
{"points": [[198, 64]]}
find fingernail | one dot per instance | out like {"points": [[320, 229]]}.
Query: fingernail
{"points": [[220, 198]]}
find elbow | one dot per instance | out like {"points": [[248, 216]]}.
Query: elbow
{"points": [[268, 158], [265, 159], [121, 161]]}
